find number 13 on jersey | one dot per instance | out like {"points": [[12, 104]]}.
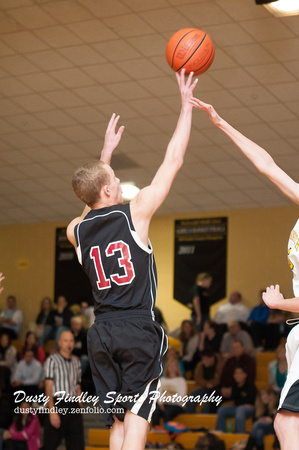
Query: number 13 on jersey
{"points": [[124, 262]]}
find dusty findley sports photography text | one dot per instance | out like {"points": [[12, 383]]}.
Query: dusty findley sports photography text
{"points": [[113, 398]]}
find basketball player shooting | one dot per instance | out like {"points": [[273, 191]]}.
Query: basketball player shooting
{"points": [[125, 344], [286, 423]]}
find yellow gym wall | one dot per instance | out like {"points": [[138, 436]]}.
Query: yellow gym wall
{"points": [[256, 257]]}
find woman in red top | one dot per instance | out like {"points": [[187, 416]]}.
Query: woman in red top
{"points": [[32, 344]]}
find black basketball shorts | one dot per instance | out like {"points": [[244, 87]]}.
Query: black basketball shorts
{"points": [[126, 353]]}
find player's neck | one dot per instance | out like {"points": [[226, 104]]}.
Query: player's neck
{"points": [[104, 204]]}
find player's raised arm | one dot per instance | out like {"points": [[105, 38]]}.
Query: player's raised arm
{"points": [[256, 154], [150, 198], [112, 139]]}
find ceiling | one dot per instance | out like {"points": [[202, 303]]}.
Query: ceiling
{"points": [[67, 65]]}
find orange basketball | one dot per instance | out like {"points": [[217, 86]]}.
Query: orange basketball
{"points": [[190, 49]]}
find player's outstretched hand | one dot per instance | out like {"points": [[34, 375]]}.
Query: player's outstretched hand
{"points": [[186, 86], [1, 279], [113, 137], [213, 116], [273, 297]]}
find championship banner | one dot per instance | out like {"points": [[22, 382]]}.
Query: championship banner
{"points": [[200, 246], [70, 279]]}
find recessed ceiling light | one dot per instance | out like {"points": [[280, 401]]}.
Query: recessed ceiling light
{"points": [[129, 191], [282, 8]]}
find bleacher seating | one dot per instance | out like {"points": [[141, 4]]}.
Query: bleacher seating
{"points": [[208, 421], [98, 439], [262, 362]]}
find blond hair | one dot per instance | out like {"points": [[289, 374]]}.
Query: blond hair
{"points": [[202, 276], [88, 180], [169, 363], [260, 406]]}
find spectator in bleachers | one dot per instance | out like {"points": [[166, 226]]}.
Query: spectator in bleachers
{"points": [[209, 338], [173, 383], [62, 317], [25, 431], [28, 375], [8, 355], [11, 319], [265, 410], [233, 310], [207, 375], [6, 413], [80, 347], [278, 370], [172, 354], [235, 333], [160, 318], [257, 321], [200, 299], [45, 321], [32, 344], [210, 442], [188, 343], [239, 357], [242, 393], [87, 314]]}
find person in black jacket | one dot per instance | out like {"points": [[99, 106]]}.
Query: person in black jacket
{"points": [[243, 393], [45, 321], [200, 299]]}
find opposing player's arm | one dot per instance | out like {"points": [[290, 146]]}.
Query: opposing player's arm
{"points": [[275, 300], [1, 279], [150, 198], [256, 154]]}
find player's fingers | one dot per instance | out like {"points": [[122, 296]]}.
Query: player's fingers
{"points": [[178, 77], [114, 122], [121, 130], [110, 122], [182, 76], [194, 84], [189, 79]]}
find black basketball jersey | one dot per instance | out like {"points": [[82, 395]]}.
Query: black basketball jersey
{"points": [[120, 267]]}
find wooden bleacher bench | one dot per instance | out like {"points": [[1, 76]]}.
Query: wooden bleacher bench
{"points": [[190, 386], [18, 344], [268, 442], [206, 421], [98, 437], [175, 343], [88, 447], [262, 374]]}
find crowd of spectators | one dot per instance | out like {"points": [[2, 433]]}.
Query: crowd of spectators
{"points": [[221, 361], [218, 355], [25, 369]]}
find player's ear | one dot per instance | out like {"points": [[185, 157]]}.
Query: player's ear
{"points": [[106, 191]]}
